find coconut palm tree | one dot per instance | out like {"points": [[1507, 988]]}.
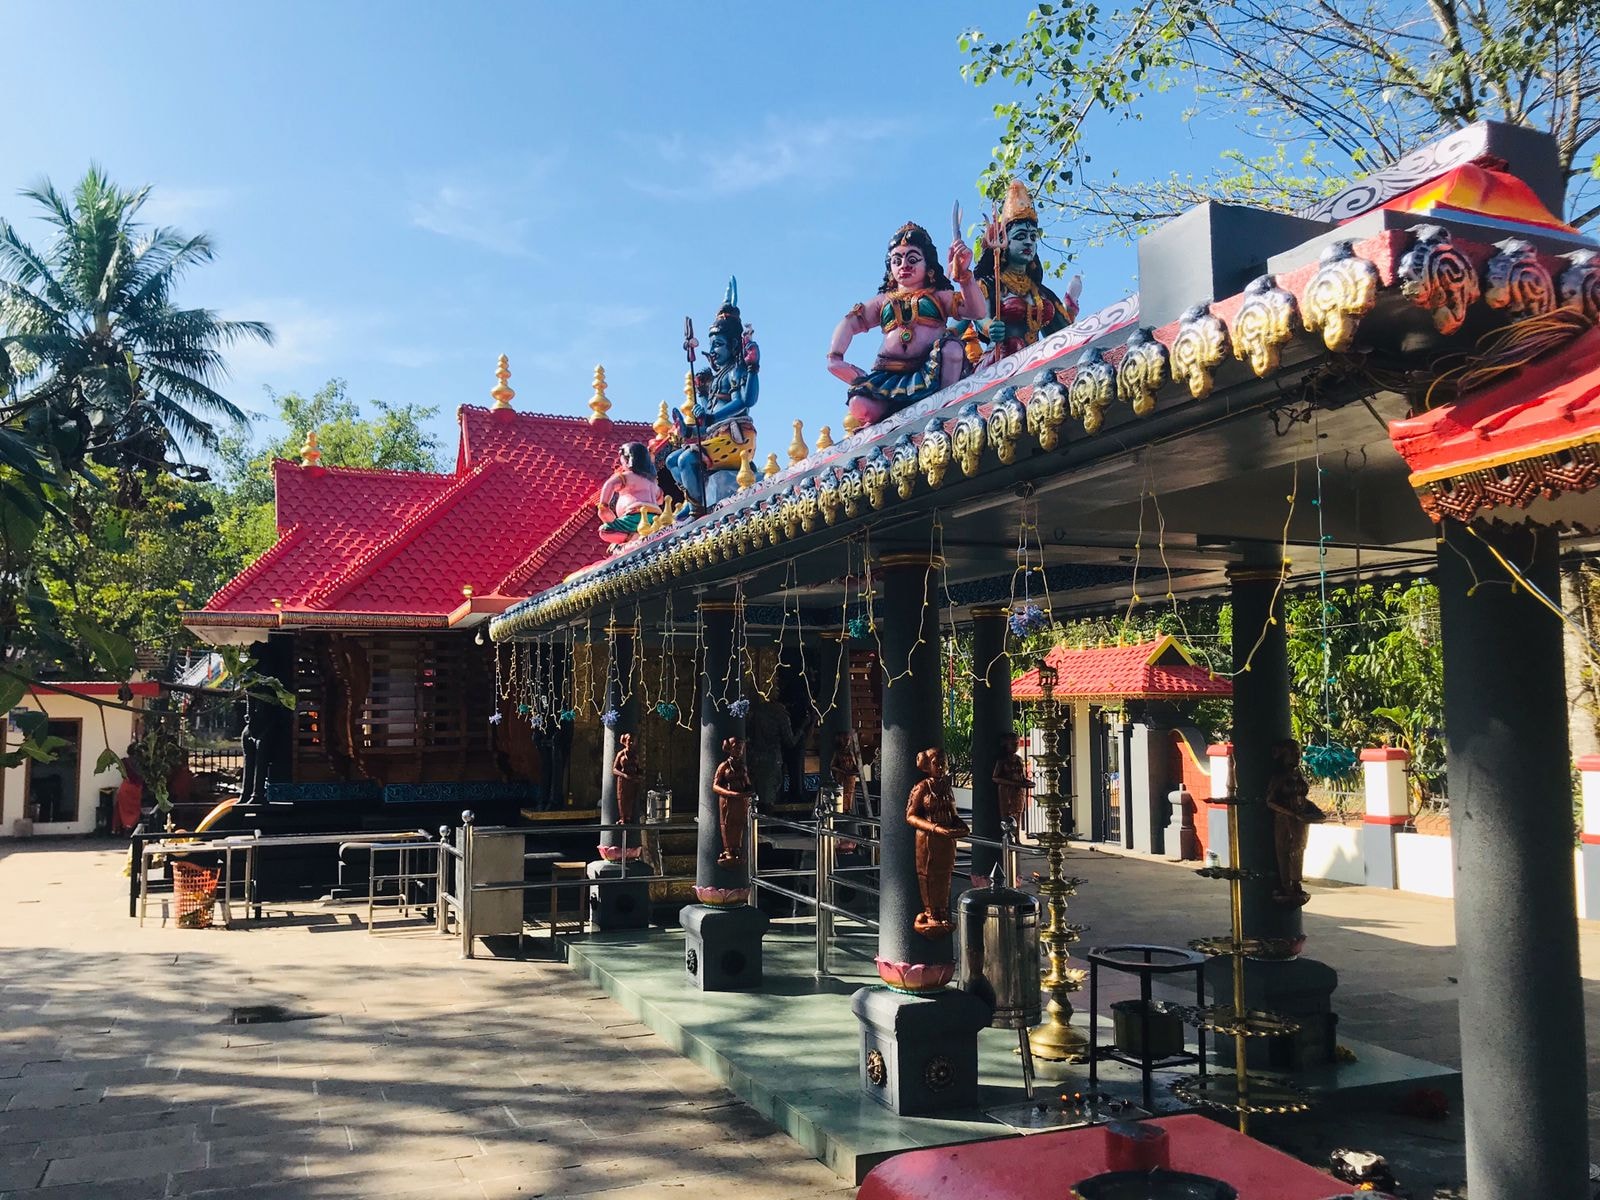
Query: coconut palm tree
{"points": [[96, 360]]}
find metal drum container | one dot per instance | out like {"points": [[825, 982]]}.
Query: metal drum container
{"points": [[998, 940]]}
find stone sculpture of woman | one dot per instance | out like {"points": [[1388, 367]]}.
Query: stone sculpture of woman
{"points": [[919, 354], [931, 811], [1028, 309], [709, 448], [631, 494], [628, 769], [1011, 779], [1293, 813], [733, 789]]}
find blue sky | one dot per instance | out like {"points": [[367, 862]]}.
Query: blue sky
{"points": [[407, 190]]}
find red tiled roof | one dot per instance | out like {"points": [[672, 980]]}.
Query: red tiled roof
{"points": [[515, 516], [1532, 436], [1158, 670]]}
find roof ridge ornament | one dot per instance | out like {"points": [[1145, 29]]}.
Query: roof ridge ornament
{"points": [[599, 403], [310, 455], [501, 392]]}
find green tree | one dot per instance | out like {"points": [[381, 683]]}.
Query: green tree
{"points": [[105, 383], [395, 439], [1321, 89]]}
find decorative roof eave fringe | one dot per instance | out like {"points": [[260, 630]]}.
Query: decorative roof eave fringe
{"points": [[1423, 265]]}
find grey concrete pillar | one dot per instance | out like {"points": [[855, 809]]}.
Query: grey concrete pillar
{"points": [[722, 933], [919, 1039], [991, 721], [1521, 1006]]}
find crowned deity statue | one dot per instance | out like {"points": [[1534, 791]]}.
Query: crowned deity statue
{"points": [[629, 497], [912, 309], [709, 443], [1293, 814], [1027, 308]]}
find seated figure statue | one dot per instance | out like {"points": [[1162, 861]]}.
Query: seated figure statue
{"points": [[1027, 308], [709, 448], [912, 309], [630, 496]]}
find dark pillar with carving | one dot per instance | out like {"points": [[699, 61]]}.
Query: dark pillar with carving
{"points": [[722, 951], [619, 906], [1521, 1006], [919, 1039], [1278, 981], [991, 721]]}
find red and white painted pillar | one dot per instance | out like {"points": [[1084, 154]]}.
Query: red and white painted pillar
{"points": [[1384, 772], [1220, 759], [1589, 837]]}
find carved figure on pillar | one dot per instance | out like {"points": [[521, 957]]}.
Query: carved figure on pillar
{"points": [[1293, 813], [714, 434], [846, 770], [1011, 777], [919, 354], [931, 811], [628, 767], [733, 789], [1027, 309], [630, 499]]}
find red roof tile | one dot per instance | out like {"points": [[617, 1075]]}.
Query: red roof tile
{"points": [[515, 516], [1158, 670]]}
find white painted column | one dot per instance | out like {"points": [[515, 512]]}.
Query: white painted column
{"points": [[1383, 770], [1082, 776], [1589, 837], [1220, 757]]}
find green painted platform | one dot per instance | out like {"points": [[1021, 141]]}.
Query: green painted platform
{"points": [[790, 1050]]}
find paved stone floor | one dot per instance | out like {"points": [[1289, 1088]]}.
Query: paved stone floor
{"points": [[410, 1072]]}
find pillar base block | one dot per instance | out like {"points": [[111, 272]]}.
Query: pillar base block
{"points": [[722, 951], [1300, 989], [919, 1054], [620, 906]]}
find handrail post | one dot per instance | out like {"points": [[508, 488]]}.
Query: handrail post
{"points": [[751, 846], [441, 889], [1011, 850], [824, 886], [464, 882]]}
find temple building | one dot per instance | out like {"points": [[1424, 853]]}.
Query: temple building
{"points": [[371, 607]]}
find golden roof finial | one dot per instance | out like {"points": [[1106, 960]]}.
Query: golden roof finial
{"points": [[851, 423], [746, 476], [797, 448], [310, 456], [824, 438], [687, 407], [502, 393], [772, 467], [599, 405], [663, 423]]}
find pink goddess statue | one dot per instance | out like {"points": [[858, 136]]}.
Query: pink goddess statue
{"points": [[919, 354], [628, 496]]}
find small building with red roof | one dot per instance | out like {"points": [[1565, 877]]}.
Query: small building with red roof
{"points": [[1131, 741], [369, 607]]}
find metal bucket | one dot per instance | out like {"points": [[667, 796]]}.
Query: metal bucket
{"points": [[1165, 1028], [998, 950]]}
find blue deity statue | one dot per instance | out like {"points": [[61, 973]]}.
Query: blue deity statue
{"points": [[709, 447]]}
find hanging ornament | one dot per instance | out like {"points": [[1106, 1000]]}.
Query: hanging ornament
{"points": [[1329, 760], [739, 708], [610, 717], [495, 718], [667, 710], [1027, 618]]}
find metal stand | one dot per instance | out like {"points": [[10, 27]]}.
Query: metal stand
{"points": [[1145, 967]]}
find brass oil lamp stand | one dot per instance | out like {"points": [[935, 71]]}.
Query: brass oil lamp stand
{"points": [[1240, 1093], [1056, 1040]]}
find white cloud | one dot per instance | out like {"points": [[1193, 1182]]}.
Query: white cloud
{"points": [[481, 216], [187, 208], [784, 151]]}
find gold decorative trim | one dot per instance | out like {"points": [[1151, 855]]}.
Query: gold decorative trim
{"points": [[903, 467], [1199, 348], [934, 455], [1436, 276], [875, 477], [990, 610], [706, 606], [911, 558], [968, 437], [1142, 371], [1257, 574], [621, 630], [1264, 325], [1007, 420], [1047, 410], [1093, 387], [1344, 289]]}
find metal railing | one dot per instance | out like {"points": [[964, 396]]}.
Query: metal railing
{"points": [[826, 872]]}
